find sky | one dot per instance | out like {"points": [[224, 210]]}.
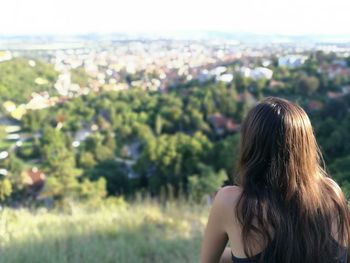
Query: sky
{"points": [[286, 17]]}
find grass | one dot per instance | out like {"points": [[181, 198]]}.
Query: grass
{"points": [[136, 232]]}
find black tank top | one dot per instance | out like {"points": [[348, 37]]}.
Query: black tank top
{"points": [[343, 256]]}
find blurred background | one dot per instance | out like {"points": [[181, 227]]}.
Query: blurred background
{"points": [[119, 120]]}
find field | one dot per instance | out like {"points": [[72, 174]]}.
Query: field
{"points": [[114, 232]]}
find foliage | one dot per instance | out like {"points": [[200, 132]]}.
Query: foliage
{"points": [[5, 188], [307, 85], [63, 183], [225, 155], [340, 169], [116, 177], [206, 182], [18, 79], [87, 160], [165, 143], [33, 120], [172, 158]]}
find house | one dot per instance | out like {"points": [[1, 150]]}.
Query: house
{"points": [[315, 105], [3, 172], [334, 70], [292, 61], [34, 180], [218, 71], [38, 101], [5, 55], [334, 95], [275, 84], [222, 124], [227, 78], [15, 111], [256, 73], [4, 155], [261, 73]]}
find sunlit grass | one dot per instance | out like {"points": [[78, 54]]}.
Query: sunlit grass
{"points": [[135, 232]]}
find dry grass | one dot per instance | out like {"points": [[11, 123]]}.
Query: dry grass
{"points": [[112, 232]]}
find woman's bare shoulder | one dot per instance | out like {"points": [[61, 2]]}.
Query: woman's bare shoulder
{"points": [[228, 196], [224, 206]]}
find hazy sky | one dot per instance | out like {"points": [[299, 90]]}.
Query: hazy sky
{"points": [[290, 17]]}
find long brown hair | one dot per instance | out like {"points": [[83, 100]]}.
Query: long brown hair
{"points": [[288, 200]]}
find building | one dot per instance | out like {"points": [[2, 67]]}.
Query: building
{"points": [[222, 124], [315, 105], [261, 73], [275, 84], [334, 95], [334, 70], [256, 73], [292, 61], [5, 55], [34, 180], [227, 78]]}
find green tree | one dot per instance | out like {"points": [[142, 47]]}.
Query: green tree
{"points": [[92, 190], [206, 182], [225, 154], [87, 160], [101, 146], [307, 85], [170, 159], [12, 184], [18, 79], [243, 107], [59, 162], [115, 175], [5, 188], [340, 169], [33, 120]]}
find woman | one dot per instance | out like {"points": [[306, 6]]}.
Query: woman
{"points": [[286, 209]]}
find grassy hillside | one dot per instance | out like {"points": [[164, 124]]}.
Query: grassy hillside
{"points": [[115, 232]]}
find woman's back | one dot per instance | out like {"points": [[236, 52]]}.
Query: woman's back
{"points": [[340, 257], [227, 200], [286, 208]]}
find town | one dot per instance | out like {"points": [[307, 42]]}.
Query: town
{"points": [[156, 66]]}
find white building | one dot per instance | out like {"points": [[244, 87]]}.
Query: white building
{"points": [[292, 61], [256, 73], [38, 101], [227, 78], [5, 55], [261, 73], [218, 71]]}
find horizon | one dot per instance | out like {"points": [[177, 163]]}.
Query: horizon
{"points": [[193, 35], [175, 33]]}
